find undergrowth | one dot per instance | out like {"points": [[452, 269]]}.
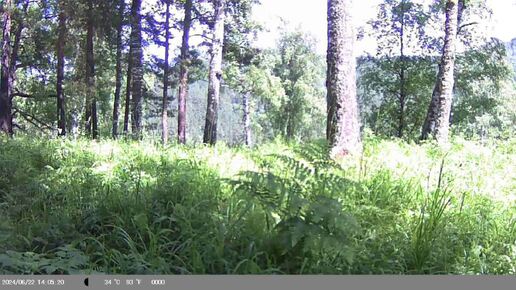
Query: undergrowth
{"points": [[117, 207]]}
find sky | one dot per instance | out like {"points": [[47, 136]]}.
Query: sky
{"points": [[310, 15]]}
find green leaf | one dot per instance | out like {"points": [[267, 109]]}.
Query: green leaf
{"points": [[141, 221]]}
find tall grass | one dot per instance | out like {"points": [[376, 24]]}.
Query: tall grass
{"points": [[118, 207]]}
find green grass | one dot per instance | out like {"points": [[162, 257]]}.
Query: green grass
{"points": [[117, 207]]}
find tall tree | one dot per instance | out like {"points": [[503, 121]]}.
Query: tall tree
{"points": [[215, 73], [6, 117], [183, 74], [437, 122], [248, 139], [61, 121], [300, 69], [402, 76], [118, 77], [137, 68], [343, 128], [91, 98], [166, 70], [239, 56], [399, 30], [21, 19], [127, 110]]}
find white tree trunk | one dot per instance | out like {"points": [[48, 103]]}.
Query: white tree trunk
{"points": [[343, 127]]}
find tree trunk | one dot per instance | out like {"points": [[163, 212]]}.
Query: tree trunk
{"points": [[118, 78], [215, 75], [183, 75], [402, 74], [437, 122], [343, 127], [247, 120], [17, 42], [137, 69], [74, 121], [289, 130], [11, 54], [6, 117], [128, 92], [164, 112], [91, 99], [429, 124], [61, 121]]}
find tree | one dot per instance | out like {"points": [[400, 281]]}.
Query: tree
{"points": [[394, 82], [61, 113], [137, 69], [166, 71], [127, 110], [437, 122], [118, 77], [484, 93], [379, 91], [6, 117], [379, 75], [183, 74], [91, 95], [241, 59], [17, 40], [399, 29], [301, 71], [215, 73], [262, 94], [343, 128]]}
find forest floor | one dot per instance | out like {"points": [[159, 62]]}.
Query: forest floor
{"points": [[120, 207]]}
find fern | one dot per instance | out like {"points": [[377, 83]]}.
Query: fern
{"points": [[311, 222]]}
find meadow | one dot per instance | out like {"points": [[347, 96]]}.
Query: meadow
{"points": [[82, 206]]}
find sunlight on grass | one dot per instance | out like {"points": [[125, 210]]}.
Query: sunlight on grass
{"points": [[119, 207]]}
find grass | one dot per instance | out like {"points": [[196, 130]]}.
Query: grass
{"points": [[116, 207]]}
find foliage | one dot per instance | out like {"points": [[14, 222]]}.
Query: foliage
{"points": [[302, 74], [117, 207], [71, 205], [408, 45], [485, 90], [64, 260], [379, 93]]}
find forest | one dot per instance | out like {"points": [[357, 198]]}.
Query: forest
{"points": [[165, 137]]}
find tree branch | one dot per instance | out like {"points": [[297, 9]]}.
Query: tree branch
{"points": [[30, 118], [466, 24], [202, 36], [29, 96], [19, 127]]}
